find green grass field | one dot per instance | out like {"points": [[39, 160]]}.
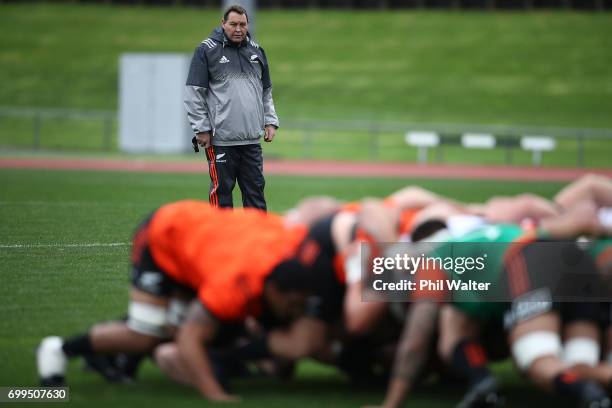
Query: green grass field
{"points": [[544, 68], [541, 68], [49, 287]]}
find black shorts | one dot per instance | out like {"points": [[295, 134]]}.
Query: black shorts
{"points": [[598, 313], [492, 335], [547, 276], [145, 274]]}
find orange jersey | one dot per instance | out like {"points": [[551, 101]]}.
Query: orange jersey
{"points": [[407, 215], [352, 207], [224, 254], [355, 206]]}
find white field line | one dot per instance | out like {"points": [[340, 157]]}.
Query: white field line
{"points": [[62, 244], [65, 245]]}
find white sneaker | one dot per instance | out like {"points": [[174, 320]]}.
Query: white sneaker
{"points": [[51, 361]]}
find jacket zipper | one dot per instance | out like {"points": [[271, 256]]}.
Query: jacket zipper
{"points": [[239, 59]]}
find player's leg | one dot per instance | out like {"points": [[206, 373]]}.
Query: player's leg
{"points": [[250, 176], [536, 348], [123, 367], [534, 322], [150, 318], [223, 162], [460, 348], [145, 327], [581, 345]]}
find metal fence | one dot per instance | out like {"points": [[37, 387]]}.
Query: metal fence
{"points": [[70, 129], [380, 139], [27, 129]]}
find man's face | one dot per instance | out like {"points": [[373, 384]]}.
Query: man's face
{"points": [[235, 26]]}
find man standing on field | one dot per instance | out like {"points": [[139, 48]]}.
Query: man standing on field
{"points": [[228, 98]]}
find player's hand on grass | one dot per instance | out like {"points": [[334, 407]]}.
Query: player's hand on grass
{"points": [[223, 397]]}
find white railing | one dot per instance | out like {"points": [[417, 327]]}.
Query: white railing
{"points": [[506, 137]]}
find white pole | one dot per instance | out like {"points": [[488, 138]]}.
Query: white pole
{"points": [[422, 154], [537, 157]]}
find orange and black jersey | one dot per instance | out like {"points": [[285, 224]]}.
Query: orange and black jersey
{"points": [[318, 253], [225, 255], [407, 215]]}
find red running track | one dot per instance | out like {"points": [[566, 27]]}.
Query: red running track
{"points": [[316, 168]]}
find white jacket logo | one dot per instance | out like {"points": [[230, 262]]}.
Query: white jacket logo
{"points": [[220, 155], [254, 59], [223, 60]]}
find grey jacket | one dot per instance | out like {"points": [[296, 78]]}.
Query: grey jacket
{"points": [[229, 92]]}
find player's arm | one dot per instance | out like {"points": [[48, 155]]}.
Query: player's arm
{"points": [[376, 224], [360, 317], [414, 197], [199, 328], [412, 351], [593, 188], [582, 219], [270, 116], [194, 98], [311, 209], [305, 338], [379, 223]]}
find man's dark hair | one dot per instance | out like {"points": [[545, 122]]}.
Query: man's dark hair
{"points": [[427, 229], [291, 275], [236, 9]]}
